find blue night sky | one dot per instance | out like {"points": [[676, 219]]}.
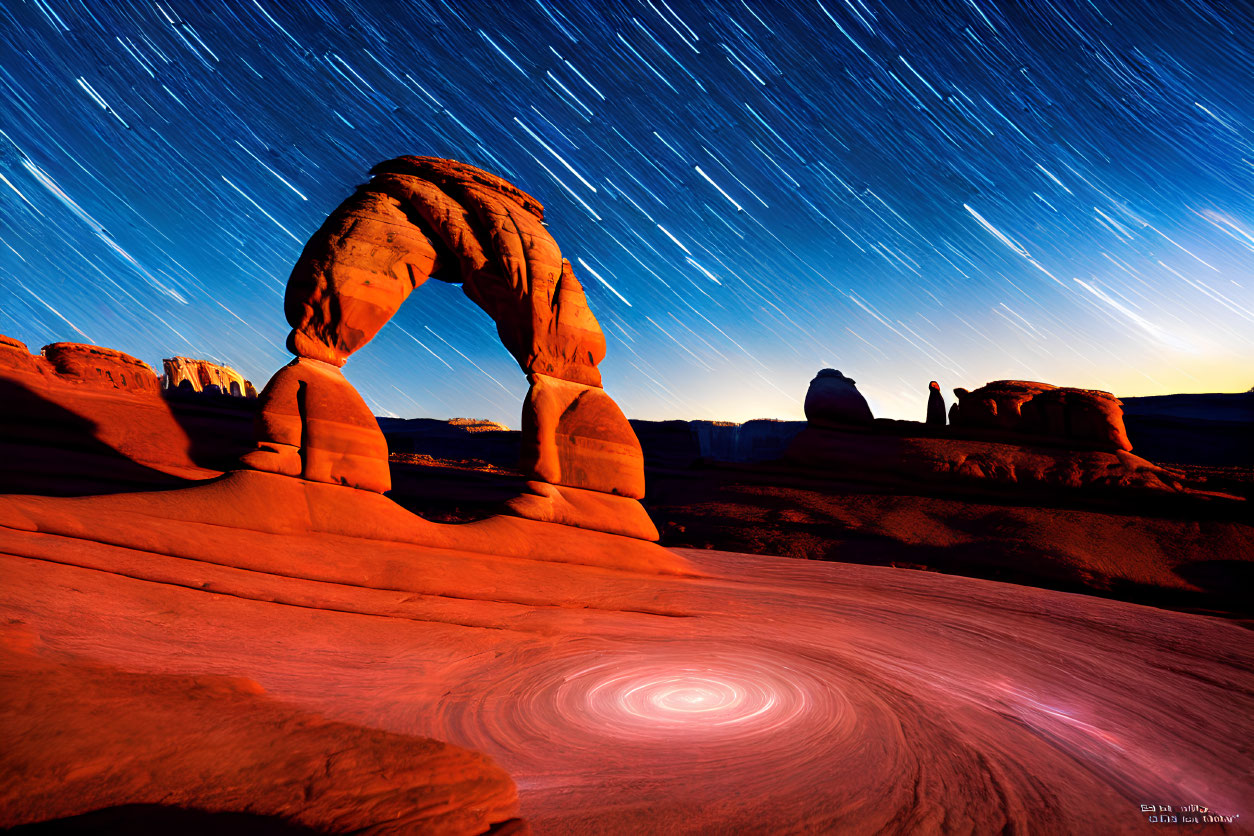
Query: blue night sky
{"points": [[750, 191]]}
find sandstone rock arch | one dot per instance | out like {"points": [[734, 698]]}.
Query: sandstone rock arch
{"points": [[425, 217]]}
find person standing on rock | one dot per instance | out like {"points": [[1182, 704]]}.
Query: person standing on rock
{"points": [[935, 406]]}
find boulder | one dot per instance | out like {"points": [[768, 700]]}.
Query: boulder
{"points": [[834, 400]]}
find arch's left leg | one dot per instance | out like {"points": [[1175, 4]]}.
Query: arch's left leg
{"points": [[353, 275]]}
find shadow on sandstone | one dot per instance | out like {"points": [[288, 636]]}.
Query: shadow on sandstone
{"points": [[52, 450], [164, 819]]}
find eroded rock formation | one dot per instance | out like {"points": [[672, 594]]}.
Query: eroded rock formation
{"points": [[423, 217], [91, 366], [834, 400], [1009, 432], [935, 405], [1081, 417], [199, 375]]}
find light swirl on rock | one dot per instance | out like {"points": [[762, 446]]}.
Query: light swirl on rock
{"points": [[708, 709]]}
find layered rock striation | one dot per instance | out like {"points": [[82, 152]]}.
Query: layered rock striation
{"points": [[89, 366], [184, 373], [420, 218]]}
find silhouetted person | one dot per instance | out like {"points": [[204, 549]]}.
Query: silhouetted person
{"points": [[935, 406]]}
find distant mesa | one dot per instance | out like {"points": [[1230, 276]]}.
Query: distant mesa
{"points": [[76, 364], [186, 374], [1008, 432], [1080, 417], [834, 400], [477, 425]]}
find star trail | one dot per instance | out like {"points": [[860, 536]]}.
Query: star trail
{"points": [[750, 191]]}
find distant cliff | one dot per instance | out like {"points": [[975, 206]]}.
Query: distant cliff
{"points": [[185, 373]]}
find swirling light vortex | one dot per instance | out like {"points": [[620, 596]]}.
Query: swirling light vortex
{"points": [[665, 693], [726, 714]]}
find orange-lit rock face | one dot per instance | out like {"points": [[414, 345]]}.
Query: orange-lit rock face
{"points": [[15, 357], [99, 367], [313, 424], [200, 374], [575, 435], [353, 276], [91, 366], [421, 217]]}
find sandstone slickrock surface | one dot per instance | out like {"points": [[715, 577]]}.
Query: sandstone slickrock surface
{"points": [[423, 217], [575, 435], [834, 400], [81, 737], [202, 373], [758, 694]]}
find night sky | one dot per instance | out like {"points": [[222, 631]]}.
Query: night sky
{"points": [[749, 191]]}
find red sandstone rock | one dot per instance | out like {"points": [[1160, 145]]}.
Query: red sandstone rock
{"points": [[422, 216], [896, 459], [15, 357], [103, 368], [313, 424], [1084, 415], [575, 435], [491, 238], [75, 364], [768, 695], [201, 373], [584, 509], [834, 400], [1081, 416], [353, 275], [997, 405], [81, 737]]}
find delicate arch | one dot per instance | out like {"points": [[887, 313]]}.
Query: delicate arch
{"points": [[421, 217]]}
